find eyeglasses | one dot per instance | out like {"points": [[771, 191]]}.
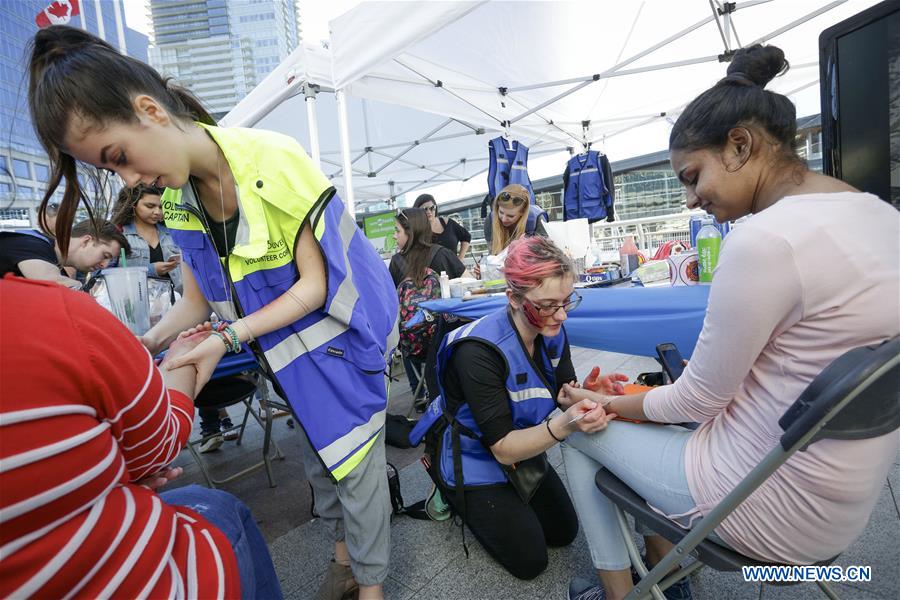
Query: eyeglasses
{"points": [[551, 309], [402, 216], [431, 208], [507, 197]]}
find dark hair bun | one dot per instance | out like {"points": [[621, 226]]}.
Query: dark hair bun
{"points": [[760, 64], [57, 41]]}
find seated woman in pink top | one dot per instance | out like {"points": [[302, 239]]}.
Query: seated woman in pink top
{"points": [[811, 275]]}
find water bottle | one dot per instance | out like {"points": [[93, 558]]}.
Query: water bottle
{"points": [[628, 256], [709, 239], [445, 285]]}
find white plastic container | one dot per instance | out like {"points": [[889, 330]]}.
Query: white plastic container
{"points": [[127, 288], [445, 285]]}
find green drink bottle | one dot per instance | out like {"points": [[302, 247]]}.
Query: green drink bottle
{"points": [[709, 239]]}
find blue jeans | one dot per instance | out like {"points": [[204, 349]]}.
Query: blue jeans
{"points": [[649, 458], [233, 518]]}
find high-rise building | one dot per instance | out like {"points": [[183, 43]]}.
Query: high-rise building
{"points": [[24, 167], [220, 49]]}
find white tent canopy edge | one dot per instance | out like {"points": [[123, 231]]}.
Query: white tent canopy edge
{"points": [[398, 54]]}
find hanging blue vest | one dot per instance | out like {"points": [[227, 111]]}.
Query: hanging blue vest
{"points": [[530, 387], [586, 195], [508, 165]]}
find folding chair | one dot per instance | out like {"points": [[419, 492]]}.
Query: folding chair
{"points": [[856, 397], [228, 390]]}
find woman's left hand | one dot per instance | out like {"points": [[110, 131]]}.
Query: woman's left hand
{"points": [[610, 385], [204, 358], [161, 478]]}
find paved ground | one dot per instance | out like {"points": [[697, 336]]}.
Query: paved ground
{"points": [[427, 559]]}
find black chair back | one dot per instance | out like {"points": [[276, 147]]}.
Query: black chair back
{"points": [[870, 375]]}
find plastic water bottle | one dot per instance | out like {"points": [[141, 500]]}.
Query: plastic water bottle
{"points": [[709, 240], [628, 256], [445, 285]]}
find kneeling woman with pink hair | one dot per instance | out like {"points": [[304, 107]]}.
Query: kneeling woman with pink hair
{"points": [[487, 433]]}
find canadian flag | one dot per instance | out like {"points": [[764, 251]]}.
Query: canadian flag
{"points": [[59, 12]]}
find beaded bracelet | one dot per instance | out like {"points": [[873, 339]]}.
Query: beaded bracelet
{"points": [[224, 340], [228, 336]]}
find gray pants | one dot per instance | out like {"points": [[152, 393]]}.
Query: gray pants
{"points": [[356, 510]]}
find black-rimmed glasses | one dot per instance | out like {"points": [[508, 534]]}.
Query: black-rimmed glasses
{"points": [[548, 310]]}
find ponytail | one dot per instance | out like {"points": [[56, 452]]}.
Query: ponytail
{"points": [[72, 72]]}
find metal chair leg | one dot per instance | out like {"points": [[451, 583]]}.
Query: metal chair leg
{"points": [[634, 554], [826, 589], [199, 461]]}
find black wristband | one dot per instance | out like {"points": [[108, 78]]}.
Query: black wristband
{"points": [[550, 431]]}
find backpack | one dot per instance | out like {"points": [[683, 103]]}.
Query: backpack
{"points": [[414, 339]]}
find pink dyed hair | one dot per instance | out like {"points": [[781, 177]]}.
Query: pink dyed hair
{"points": [[532, 260]]}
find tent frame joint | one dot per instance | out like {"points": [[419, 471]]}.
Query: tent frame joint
{"points": [[727, 8], [726, 56]]}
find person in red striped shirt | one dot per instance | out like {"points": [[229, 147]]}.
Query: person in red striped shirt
{"points": [[88, 426]]}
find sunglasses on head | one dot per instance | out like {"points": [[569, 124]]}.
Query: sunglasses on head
{"points": [[507, 197]]}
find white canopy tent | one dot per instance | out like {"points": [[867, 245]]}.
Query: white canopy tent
{"points": [[421, 81]]}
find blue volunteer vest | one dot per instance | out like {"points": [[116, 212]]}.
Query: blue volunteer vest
{"points": [[325, 364], [586, 196], [530, 388], [508, 165]]}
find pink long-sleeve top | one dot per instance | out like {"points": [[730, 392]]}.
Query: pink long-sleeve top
{"points": [[796, 286]]}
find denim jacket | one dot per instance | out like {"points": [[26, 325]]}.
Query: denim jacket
{"points": [[140, 252]]}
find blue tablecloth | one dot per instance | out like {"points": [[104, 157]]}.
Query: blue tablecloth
{"points": [[627, 320]]}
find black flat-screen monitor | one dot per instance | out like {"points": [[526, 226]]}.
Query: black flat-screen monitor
{"points": [[859, 63]]}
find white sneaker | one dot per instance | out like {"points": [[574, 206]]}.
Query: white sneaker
{"points": [[212, 444]]}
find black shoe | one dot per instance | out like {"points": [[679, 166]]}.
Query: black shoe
{"points": [[680, 590]]}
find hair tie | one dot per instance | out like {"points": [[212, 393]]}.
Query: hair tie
{"points": [[739, 77]]}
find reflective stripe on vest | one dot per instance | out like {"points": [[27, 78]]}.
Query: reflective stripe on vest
{"points": [[328, 364], [529, 386], [586, 194], [508, 165]]}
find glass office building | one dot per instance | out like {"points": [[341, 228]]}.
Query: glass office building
{"points": [[24, 167], [221, 49]]}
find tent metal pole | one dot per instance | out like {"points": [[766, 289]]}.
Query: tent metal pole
{"points": [[551, 101], [715, 7], [410, 163], [365, 115], [353, 162], [344, 135], [797, 22], [414, 144], [311, 92], [340, 171], [439, 138], [448, 90], [617, 66]]}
